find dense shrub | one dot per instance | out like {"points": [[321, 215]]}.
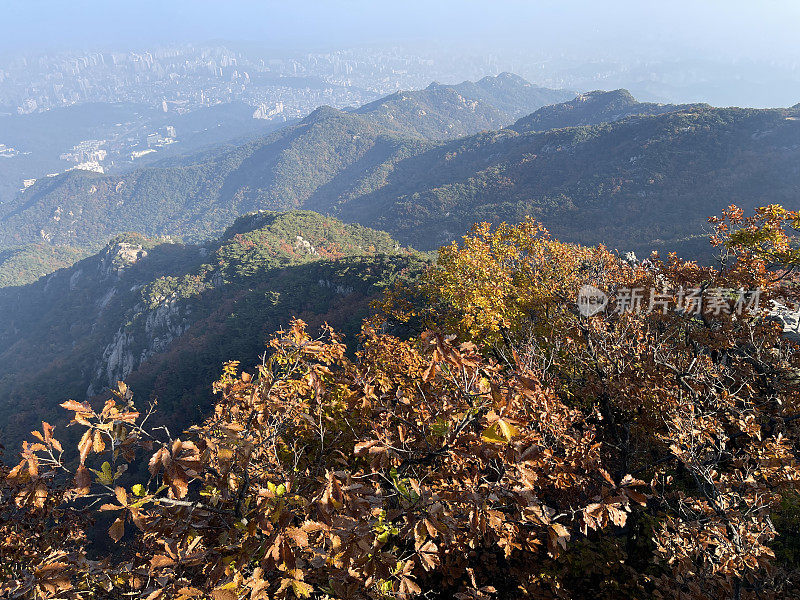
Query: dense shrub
{"points": [[533, 452]]}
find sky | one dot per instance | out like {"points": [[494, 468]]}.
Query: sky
{"points": [[728, 29]]}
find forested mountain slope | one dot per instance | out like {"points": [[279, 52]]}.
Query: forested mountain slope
{"points": [[163, 316], [195, 200], [512, 94], [302, 165], [25, 264], [448, 111], [593, 108], [645, 180]]}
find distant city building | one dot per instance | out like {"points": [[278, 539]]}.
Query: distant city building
{"points": [[28, 106], [86, 151], [139, 153], [8, 151], [268, 111], [88, 166], [179, 106], [161, 138]]}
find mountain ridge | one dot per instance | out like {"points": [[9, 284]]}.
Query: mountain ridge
{"points": [[163, 315], [279, 171], [641, 183], [593, 108], [641, 176]]}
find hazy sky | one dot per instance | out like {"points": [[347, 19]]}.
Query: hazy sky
{"points": [[724, 29]]}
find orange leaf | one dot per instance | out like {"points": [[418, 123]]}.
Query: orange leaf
{"points": [[83, 480], [98, 445], [122, 495], [117, 530], [76, 406], [159, 561], [85, 445]]}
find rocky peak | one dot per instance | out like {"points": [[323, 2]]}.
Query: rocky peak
{"points": [[620, 97], [303, 245], [119, 256]]}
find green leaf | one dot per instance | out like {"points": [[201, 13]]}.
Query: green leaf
{"points": [[105, 476]]}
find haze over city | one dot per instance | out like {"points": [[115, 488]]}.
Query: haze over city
{"points": [[625, 43]]}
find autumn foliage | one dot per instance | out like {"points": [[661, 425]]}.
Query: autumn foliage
{"points": [[514, 449]]}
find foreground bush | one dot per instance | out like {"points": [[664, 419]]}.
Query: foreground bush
{"points": [[517, 448]]}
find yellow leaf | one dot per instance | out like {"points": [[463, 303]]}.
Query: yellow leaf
{"points": [[301, 588], [223, 593], [500, 432], [507, 429], [492, 434]]}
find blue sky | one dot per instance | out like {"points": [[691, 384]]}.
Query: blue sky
{"points": [[732, 28]]}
